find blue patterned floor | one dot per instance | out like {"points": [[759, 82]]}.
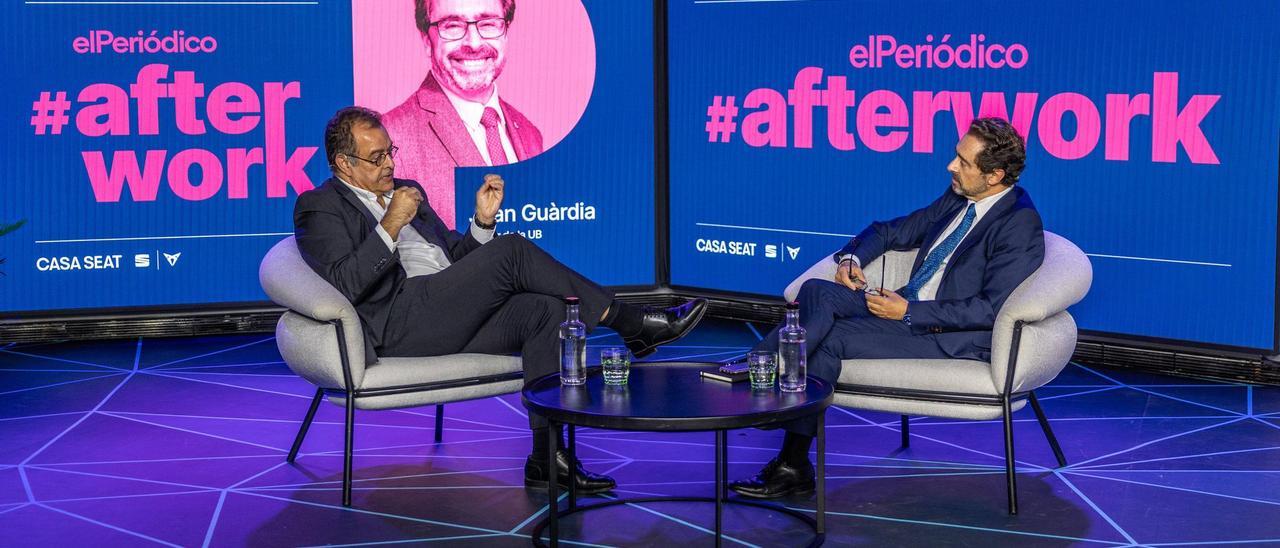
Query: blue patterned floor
{"points": [[182, 442]]}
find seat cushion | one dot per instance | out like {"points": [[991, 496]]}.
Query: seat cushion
{"points": [[391, 372], [405, 371], [956, 376]]}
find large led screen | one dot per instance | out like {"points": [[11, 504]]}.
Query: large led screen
{"points": [[1152, 130], [157, 148]]}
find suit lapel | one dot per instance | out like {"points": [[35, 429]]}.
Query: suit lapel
{"points": [[354, 200], [446, 124], [978, 232]]}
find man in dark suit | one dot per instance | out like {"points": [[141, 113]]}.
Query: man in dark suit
{"points": [[422, 289], [977, 242], [456, 118]]}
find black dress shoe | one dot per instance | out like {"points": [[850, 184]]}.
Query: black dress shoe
{"points": [[661, 326], [777, 479], [536, 472]]}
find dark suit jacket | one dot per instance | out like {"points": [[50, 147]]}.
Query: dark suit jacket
{"points": [[433, 141], [336, 235], [997, 254]]}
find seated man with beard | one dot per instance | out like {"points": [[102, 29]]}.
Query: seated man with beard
{"points": [[977, 242]]}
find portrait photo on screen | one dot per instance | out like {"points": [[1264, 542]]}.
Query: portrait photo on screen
{"points": [[468, 83]]}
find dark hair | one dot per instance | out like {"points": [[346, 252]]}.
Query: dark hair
{"points": [[1004, 148], [423, 19], [338, 138]]}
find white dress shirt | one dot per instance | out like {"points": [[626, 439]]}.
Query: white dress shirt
{"points": [[418, 256], [929, 291], [471, 113]]}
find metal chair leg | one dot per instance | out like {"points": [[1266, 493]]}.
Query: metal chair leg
{"points": [[306, 423], [1048, 432], [1009, 471], [439, 423], [906, 432], [347, 449], [721, 481]]}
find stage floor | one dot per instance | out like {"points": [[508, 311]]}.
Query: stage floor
{"points": [[183, 441]]}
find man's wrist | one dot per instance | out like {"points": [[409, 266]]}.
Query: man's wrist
{"points": [[392, 227], [490, 225]]}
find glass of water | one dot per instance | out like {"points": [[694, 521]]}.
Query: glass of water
{"points": [[762, 367], [616, 362]]}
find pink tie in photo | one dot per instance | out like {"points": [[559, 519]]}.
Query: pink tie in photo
{"points": [[493, 139]]}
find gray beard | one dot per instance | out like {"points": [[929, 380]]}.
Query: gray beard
{"points": [[468, 82]]}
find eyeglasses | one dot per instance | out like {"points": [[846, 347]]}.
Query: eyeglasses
{"points": [[455, 29], [379, 157]]}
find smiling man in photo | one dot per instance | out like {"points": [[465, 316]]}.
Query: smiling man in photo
{"points": [[456, 118]]}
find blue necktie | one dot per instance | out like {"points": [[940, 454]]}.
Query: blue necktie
{"points": [[933, 261]]}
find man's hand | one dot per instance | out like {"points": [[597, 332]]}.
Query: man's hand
{"points": [[887, 305], [403, 207], [849, 274], [489, 199]]}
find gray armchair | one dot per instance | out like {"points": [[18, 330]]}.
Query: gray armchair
{"points": [[321, 340], [1032, 342]]}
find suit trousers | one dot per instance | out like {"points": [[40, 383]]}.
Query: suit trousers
{"points": [[839, 327], [502, 298]]}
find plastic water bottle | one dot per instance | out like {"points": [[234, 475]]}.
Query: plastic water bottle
{"points": [[573, 346], [792, 358]]}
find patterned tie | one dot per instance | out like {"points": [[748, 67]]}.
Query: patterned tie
{"points": [[492, 138], [933, 261]]}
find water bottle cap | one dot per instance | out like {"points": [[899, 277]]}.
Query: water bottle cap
{"points": [[793, 305], [571, 300]]}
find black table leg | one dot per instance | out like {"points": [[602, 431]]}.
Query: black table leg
{"points": [[553, 505], [720, 485], [724, 467], [821, 472], [573, 453]]}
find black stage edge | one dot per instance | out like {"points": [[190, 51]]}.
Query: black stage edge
{"points": [[1093, 349]]}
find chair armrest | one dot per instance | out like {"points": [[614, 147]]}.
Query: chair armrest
{"points": [[824, 269], [289, 281], [1040, 303]]}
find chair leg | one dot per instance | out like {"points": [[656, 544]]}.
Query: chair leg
{"points": [[1009, 471], [347, 447], [906, 432], [1048, 432], [439, 423], [306, 423]]}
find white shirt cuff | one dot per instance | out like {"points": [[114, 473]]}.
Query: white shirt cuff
{"points": [[482, 235], [850, 256], [386, 238]]}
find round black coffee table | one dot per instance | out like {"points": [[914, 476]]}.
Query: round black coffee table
{"points": [[673, 397]]}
